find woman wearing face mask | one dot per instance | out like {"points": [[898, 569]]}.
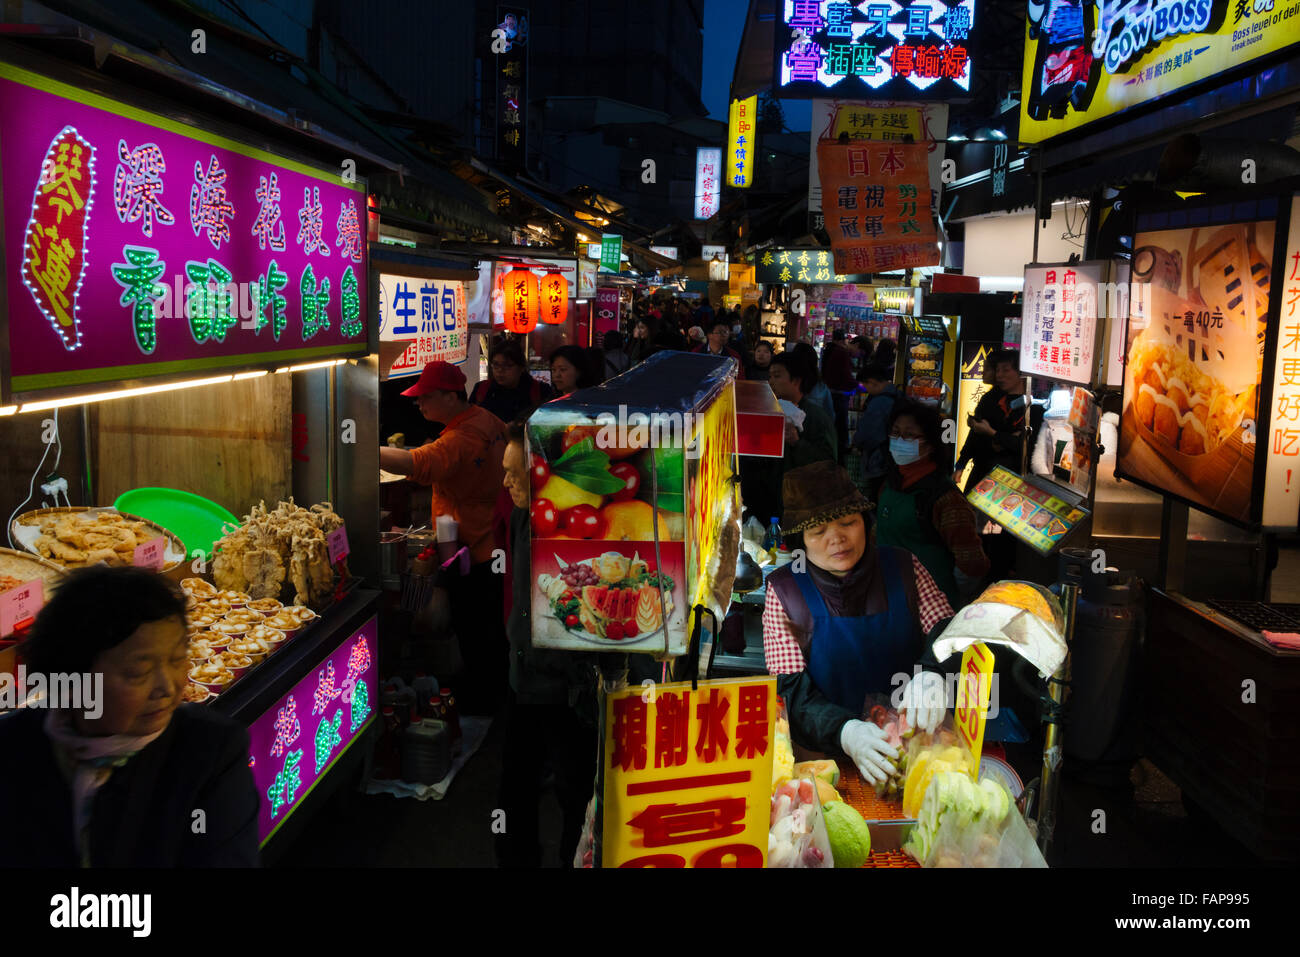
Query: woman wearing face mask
{"points": [[921, 510], [115, 782], [858, 622]]}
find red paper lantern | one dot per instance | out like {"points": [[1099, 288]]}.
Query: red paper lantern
{"points": [[555, 299], [521, 300]]}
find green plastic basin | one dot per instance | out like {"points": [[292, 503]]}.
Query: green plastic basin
{"points": [[195, 520]]}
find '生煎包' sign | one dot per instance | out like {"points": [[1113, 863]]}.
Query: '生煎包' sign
{"points": [[138, 246]]}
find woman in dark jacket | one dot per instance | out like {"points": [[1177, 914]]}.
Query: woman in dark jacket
{"points": [[998, 427], [116, 779], [510, 391]]}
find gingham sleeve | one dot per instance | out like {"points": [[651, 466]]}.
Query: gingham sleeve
{"points": [[780, 647], [931, 603]]}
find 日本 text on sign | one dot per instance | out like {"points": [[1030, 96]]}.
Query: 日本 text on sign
{"points": [[688, 774]]}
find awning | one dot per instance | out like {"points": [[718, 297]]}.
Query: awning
{"points": [[753, 72], [385, 258]]}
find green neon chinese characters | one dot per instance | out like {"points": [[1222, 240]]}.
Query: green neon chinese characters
{"points": [[140, 289], [208, 302], [327, 739], [350, 300], [284, 789], [360, 705], [315, 304], [268, 296]]}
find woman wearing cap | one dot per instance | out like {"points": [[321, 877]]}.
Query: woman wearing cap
{"points": [[858, 622]]}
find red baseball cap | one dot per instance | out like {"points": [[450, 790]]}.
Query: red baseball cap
{"points": [[438, 375]]}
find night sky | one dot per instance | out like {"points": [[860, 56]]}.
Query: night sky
{"points": [[724, 21]]}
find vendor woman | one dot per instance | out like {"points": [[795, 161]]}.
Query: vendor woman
{"points": [[853, 623]]}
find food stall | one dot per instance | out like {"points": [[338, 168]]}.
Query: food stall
{"points": [[1207, 422], [164, 328]]}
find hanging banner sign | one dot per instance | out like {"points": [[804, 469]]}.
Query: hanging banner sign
{"points": [[708, 181], [688, 774], [511, 68], [420, 320], [876, 201], [137, 246], [1282, 475], [797, 265], [607, 308], [741, 123], [586, 279], [1059, 321], [1088, 59], [611, 253], [904, 49]]}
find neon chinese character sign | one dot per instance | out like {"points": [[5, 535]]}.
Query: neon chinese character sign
{"points": [[907, 50]]}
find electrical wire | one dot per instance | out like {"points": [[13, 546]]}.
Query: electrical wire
{"points": [[31, 486]]}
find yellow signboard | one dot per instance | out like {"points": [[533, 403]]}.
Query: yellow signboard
{"points": [[974, 688], [712, 496], [742, 125], [879, 123], [1091, 60], [688, 774]]}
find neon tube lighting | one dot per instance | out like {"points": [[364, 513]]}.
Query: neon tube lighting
{"points": [[120, 394]]}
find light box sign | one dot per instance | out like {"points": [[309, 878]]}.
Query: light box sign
{"points": [[1095, 58], [139, 246], [1282, 475], [1059, 321], [420, 320], [741, 123], [1025, 509], [797, 265], [708, 176], [910, 50], [296, 742]]}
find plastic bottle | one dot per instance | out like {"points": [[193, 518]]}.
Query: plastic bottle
{"points": [[453, 716], [425, 687], [426, 752], [773, 539]]}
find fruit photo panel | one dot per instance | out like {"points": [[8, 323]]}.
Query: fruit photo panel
{"points": [[609, 596]]}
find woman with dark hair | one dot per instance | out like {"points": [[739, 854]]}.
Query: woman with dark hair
{"points": [[921, 510], [571, 370], [761, 367], [998, 425], [510, 391], [886, 352], [642, 344], [115, 781], [848, 625]]}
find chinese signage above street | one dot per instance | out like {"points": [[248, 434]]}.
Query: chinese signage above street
{"points": [[708, 180], [611, 252], [137, 246], [1089, 59], [420, 320], [510, 56], [1282, 478], [741, 124], [1059, 322], [797, 265], [296, 742], [688, 772], [913, 49], [876, 202]]}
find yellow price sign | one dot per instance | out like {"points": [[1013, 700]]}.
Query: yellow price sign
{"points": [[974, 687], [688, 774]]}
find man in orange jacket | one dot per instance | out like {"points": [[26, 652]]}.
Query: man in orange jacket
{"points": [[463, 468]]}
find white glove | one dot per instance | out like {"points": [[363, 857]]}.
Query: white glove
{"points": [[868, 748], [923, 700]]}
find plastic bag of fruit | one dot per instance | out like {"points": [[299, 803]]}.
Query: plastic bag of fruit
{"points": [[963, 823], [927, 754], [797, 834]]}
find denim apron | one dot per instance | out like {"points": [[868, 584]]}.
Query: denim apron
{"points": [[851, 658]]}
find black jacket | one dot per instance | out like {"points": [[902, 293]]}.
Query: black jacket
{"points": [[1005, 446], [143, 816]]}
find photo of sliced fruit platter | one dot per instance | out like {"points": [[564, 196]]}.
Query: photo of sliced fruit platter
{"points": [[611, 597]]}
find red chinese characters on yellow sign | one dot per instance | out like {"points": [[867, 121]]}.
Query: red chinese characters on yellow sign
{"points": [[876, 205], [688, 773], [56, 233]]}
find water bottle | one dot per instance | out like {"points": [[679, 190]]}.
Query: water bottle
{"points": [[773, 539]]}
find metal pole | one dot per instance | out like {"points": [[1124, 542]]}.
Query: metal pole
{"points": [[1058, 691], [1038, 198]]}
